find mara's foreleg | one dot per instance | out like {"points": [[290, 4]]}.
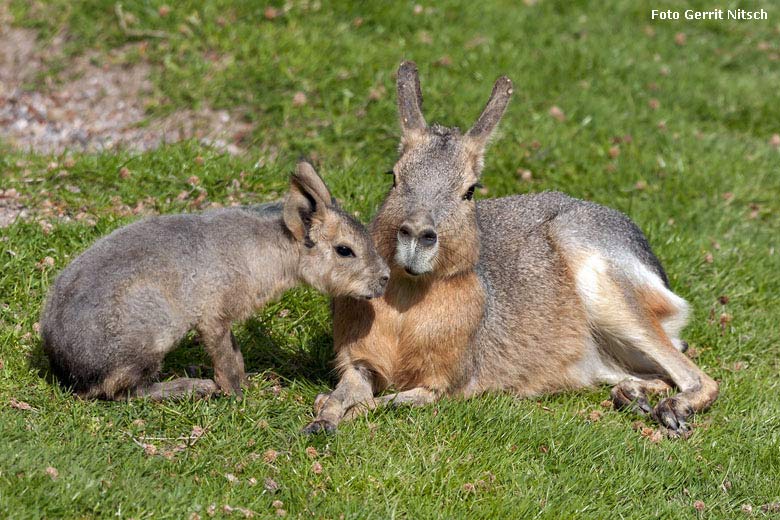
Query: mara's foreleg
{"points": [[225, 354], [355, 386], [415, 397], [640, 320], [364, 351]]}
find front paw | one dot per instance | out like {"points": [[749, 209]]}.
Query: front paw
{"points": [[673, 413], [319, 425], [203, 388], [230, 385], [630, 397], [234, 391]]}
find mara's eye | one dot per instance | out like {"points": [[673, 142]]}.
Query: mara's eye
{"points": [[391, 172], [470, 192], [344, 251]]}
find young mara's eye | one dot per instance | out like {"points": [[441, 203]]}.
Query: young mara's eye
{"points": [[391, 172], [344, 251], [470, 192]]}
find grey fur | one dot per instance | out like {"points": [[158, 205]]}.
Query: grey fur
{"points": [[525, 240], [121, 306]]}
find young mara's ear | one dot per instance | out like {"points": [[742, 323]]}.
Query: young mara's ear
{"points": [[308, 197], [479, 135], [410, 101]]}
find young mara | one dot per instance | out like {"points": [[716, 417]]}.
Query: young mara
{"points": [[119, 308]]}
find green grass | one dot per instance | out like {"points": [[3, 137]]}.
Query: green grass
{"points": [[711, 186]]}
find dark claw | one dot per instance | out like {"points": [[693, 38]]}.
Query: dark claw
{"points": [[644, 406], [672, 413], [668, 419], [318, 426], [638, 404]]}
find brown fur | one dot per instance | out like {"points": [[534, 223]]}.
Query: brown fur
{"points": [[411, 337], [654, 303]]}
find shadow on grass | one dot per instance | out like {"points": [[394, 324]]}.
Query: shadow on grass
{"points": [[312, 362], [262, 353], [40, 363]]}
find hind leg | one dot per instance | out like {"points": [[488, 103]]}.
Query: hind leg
{"points": [[644, 341], [177, 388], [697, 389], [637, 315], [630, 391], [132, 382]]}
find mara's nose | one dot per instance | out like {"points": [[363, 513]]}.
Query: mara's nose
{"points": [[419, 229]]}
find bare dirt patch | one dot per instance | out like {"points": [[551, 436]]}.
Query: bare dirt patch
{"points": [[94, 107]]}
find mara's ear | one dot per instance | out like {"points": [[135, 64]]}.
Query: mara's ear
{"points": [[479, 135], [410, 101], [307, 198]]}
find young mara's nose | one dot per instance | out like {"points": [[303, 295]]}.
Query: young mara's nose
{"points": [[418, 228]]}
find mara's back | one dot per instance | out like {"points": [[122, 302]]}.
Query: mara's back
{"points": [[162, 248]]}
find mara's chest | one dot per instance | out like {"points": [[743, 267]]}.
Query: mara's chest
{"points": [[419, 334]]}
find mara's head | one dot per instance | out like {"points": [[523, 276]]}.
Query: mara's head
{"points": [[337, 253], [427, 224]]}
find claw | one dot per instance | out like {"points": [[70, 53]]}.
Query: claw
{"points": [[668, 419], [672, 414], [638, 404], [318, 426], [644, 406]]}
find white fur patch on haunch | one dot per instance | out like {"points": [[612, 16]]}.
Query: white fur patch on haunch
{"points": [[597, 290], [589, 278], [619, 322], [601, 297]]}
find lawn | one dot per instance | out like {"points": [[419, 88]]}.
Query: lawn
{"points": [[671, 122]]}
